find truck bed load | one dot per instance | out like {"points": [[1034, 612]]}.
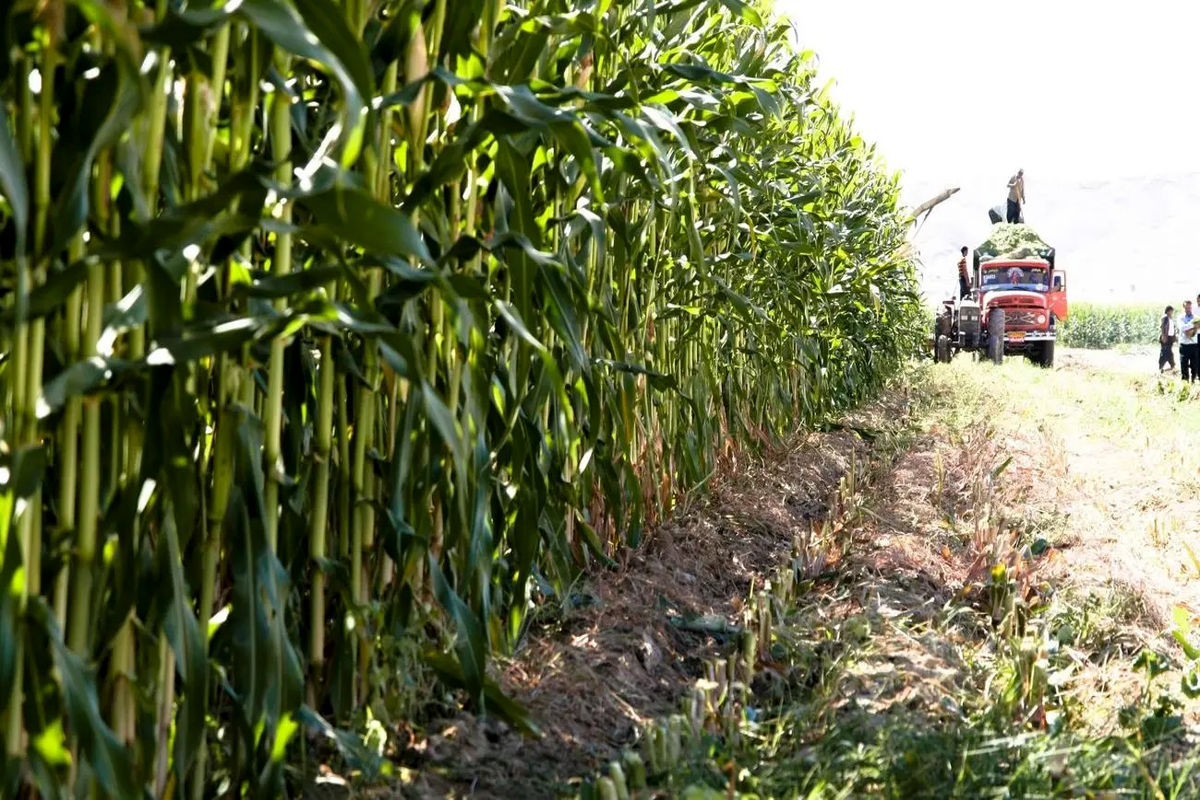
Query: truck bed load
{"points": [[1013, 241]]}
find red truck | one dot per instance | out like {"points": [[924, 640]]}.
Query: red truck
{"points": [[1013, 307]]}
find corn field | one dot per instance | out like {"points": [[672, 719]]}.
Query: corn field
{"points": [[1099, 326], [339, 335]]}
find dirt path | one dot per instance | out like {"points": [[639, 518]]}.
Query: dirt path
{"points": [[1132, 361], [1075, 482], [1133, 495]]}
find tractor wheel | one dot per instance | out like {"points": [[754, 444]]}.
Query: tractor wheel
{"points": [[941, 330], [996, 335], [942, 351]]}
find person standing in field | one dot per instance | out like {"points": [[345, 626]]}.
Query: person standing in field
{"points": [[1016, 196], [964, 280], [1167, 334], [1188, 325]]}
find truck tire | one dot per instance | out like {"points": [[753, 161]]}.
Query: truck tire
{"points": [[1047, 355], [995, 347], [942, 350]]}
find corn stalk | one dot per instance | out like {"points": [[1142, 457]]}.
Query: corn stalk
{"points": [[311, 391]]}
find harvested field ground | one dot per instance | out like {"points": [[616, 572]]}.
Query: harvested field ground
{"points": [[633, 640], [907, 667]]}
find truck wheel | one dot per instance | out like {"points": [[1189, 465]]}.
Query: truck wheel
{"points": [[942, 351], [1047, 359], [996, 335]]}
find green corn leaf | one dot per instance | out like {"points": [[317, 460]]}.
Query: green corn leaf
{"points": [[285, 27], [514, 169], [744, 10], [26, 470], [328, 23], [12, 184], [209, 339], [183, 632], [181, 27], [443, 421], [457, 35], [393, 39], [658, 380], [11, 626], [595, 545], [510, 315], [348, 744], [118, 28], [71, 206], [80, 379], [498, 703], [292, 285], [107, 759], [518, 58], [126, 314], [470, 638], [51, 745], [1182, 633], [353, 215]]}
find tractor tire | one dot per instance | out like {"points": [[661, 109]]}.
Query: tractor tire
{"points": [[995, 347], [941, 330], [942, 350]]}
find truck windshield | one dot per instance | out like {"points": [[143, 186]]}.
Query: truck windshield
{"points": [[1016, 277]]}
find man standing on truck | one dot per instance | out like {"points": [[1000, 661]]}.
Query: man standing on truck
{"points": [[964, 281], [1188, 325], [1016, 196]]}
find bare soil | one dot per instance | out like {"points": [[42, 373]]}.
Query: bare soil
{"points": [[592, 675]]}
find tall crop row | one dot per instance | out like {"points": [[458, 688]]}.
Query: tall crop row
{"points": [[336, 336], [1101, 326]]}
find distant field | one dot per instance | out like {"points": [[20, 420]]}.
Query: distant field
{"points": [[1100, 326]]}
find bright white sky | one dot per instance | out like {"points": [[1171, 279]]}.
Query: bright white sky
{"points": [[1097, 101], [1064, 88]]}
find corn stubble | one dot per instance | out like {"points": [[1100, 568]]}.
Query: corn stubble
{"points": [[339, 333]]}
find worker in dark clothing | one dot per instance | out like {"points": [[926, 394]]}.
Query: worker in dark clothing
{"points": [[964, 281], [1168, 332]]}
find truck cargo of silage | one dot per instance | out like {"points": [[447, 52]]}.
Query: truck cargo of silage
{"points": [[1012, 241]]}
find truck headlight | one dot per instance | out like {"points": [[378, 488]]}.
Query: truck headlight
{"points": [[1041, 319]]}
